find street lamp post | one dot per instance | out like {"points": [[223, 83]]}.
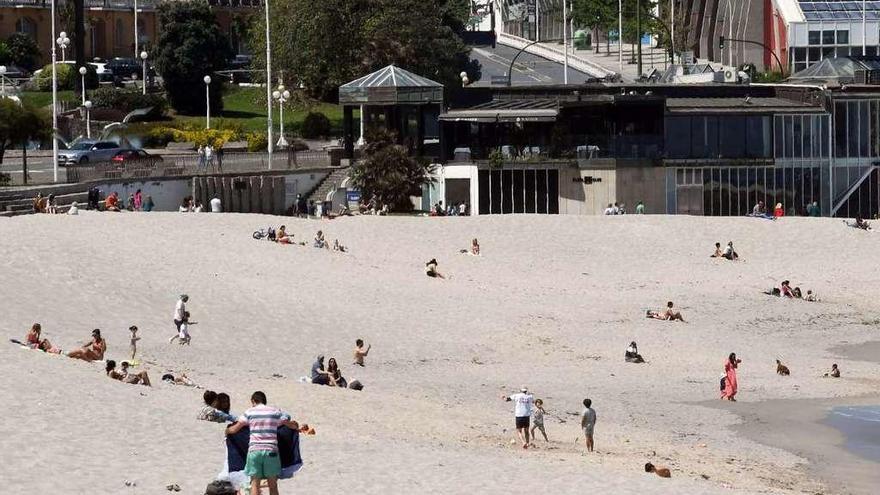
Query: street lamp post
{"points": [[3, 80], [63, 41], [82, 75], [207, 102], [281, 95], [135, 28], [268, 87], [54, 100], [565, 41], [88, 106], [144, 59]]}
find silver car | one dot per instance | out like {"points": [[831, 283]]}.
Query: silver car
{"points": [[86, 151]]}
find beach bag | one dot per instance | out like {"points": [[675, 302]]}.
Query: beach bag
{"points": [[218, 487]]}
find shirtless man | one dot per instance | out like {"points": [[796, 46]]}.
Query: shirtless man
{"points": [[669, 314], [360, 353]]}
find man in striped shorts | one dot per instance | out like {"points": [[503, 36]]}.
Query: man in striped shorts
{"points": [[263, 461]]}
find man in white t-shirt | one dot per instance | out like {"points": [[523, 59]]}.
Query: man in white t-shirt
{"points": [[179, 317], [216, 207], [522, 411]]}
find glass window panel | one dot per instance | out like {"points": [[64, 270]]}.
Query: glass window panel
{"points": [[541, 188], [864, 128], [814, 37], [678, 137], [826, 136], [800, 54], [778, 140], [483, 188], [770, 187], [840, 129], [712, 133], [871, 51], [787, 137], [797, 134], [530, 191], [724, 193], [852, 131], [874, 125], [519, 191], [843, 51], [495, 189], [807, 132], [707, 191], [828, 37], [553, 191], [507, 191], [842, 37], [828, 52], [733, 139], [814, 55], [698, 137]]}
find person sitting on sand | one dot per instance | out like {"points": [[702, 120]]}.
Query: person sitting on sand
{"points": [[216, 409], [632, 354], [74, 209], [810, 297], [796, 293], [778, 211], [112, 202], [126, 376], [39, 203], [835, 371], [35, 341], [52, 205], [718, 252], [669, 314], [129, 376], [785, 289], [475, 247], [859, 224], [282, 236], [431, 269], [759, 210], [360, 353], [91, 351], [339, 247], [335, 376], [320, 242], [178, 380], [660, 471], [319, 376], [730, 253]]}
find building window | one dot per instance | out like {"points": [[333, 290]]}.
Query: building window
{"points": [[120, 33], [842, 37], [814, 37], [828, 37], [26, 26]]}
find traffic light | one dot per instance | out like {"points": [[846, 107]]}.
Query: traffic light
{"points": [[721, 42]]}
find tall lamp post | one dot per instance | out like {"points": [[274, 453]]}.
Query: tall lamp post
{"points": [[281, 95], [565, 41], [144, 60], [3, 80], [82, 74], [135, 28], [63, 42], [268, 87], [88, 106], [207, 80], [54, 100]]}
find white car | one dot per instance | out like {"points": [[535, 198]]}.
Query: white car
{"points": [[101, 69]]}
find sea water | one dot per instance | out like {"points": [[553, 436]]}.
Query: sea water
{"points": [[861, 427]]}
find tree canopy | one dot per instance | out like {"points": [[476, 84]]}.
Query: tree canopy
{"points": [[388, 172], [21, 50], [327, 43], [189, 47], [20, 124]]}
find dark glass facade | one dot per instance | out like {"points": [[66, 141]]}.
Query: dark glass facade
{"points": [[718, 136], [518, 190]]}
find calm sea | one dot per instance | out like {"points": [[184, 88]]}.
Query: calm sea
{"points": [[861, 426]]}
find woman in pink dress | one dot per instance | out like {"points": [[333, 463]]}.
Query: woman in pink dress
{"points": [[730, 385], [138, 200]]}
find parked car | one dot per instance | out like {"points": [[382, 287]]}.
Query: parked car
{"points": [[135, 156], [14, 72], [88, 151], [125, 68], [105, 74]]}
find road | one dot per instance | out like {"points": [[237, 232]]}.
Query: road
{"points": [[39, 169], [529, 69]]}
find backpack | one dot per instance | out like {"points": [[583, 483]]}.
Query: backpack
{"points": [[271, 234], [218, 487]]}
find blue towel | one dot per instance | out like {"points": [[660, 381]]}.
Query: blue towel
{"points": [[288, 449]]}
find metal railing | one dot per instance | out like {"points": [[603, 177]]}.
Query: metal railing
{"points": [[193, 165]]}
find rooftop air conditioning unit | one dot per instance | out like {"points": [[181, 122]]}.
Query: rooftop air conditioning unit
{"points": [[730, 75]]}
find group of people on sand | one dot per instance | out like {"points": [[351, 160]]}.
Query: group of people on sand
{"points": [[181, 321], [283, 236], [216, 408], [191, 205], [431, 266], [331, 375], [728, 253], [451, 210], [529, 416], [785, 290], [729, 384]]}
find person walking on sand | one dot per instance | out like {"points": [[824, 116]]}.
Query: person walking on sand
{"points": [[360, 353], [588, 422], [538, 423], [179, 316], [132, 346], [263, 460], [522, 411], [730, 383]]}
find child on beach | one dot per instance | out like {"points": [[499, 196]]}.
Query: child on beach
{"points": [[538, 417], [431, 269], [588, 423], [835, 371], [133, 343], [660, 471], [360, 353]]}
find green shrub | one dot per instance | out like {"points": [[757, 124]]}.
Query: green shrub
{"points": [[315, 125], [126, 101], [158, 137], [22, 50], [257, 141], [5, 179], [67, 77]]}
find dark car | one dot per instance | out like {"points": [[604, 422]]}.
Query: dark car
{"points": [[135, 157], [15, 72], [125, 68]]}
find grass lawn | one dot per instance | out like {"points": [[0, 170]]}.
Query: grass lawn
{"points": [[243, 107]]}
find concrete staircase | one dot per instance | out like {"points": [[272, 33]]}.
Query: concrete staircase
{"points": [[330, 183], [20, 201]]}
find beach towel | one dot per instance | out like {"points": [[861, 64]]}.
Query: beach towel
{"points": [[236, 455]]}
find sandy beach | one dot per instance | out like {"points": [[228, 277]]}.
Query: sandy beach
{"points": [[551, 304]]}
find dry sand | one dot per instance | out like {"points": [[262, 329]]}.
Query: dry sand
{"points": [[552, 304]]}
